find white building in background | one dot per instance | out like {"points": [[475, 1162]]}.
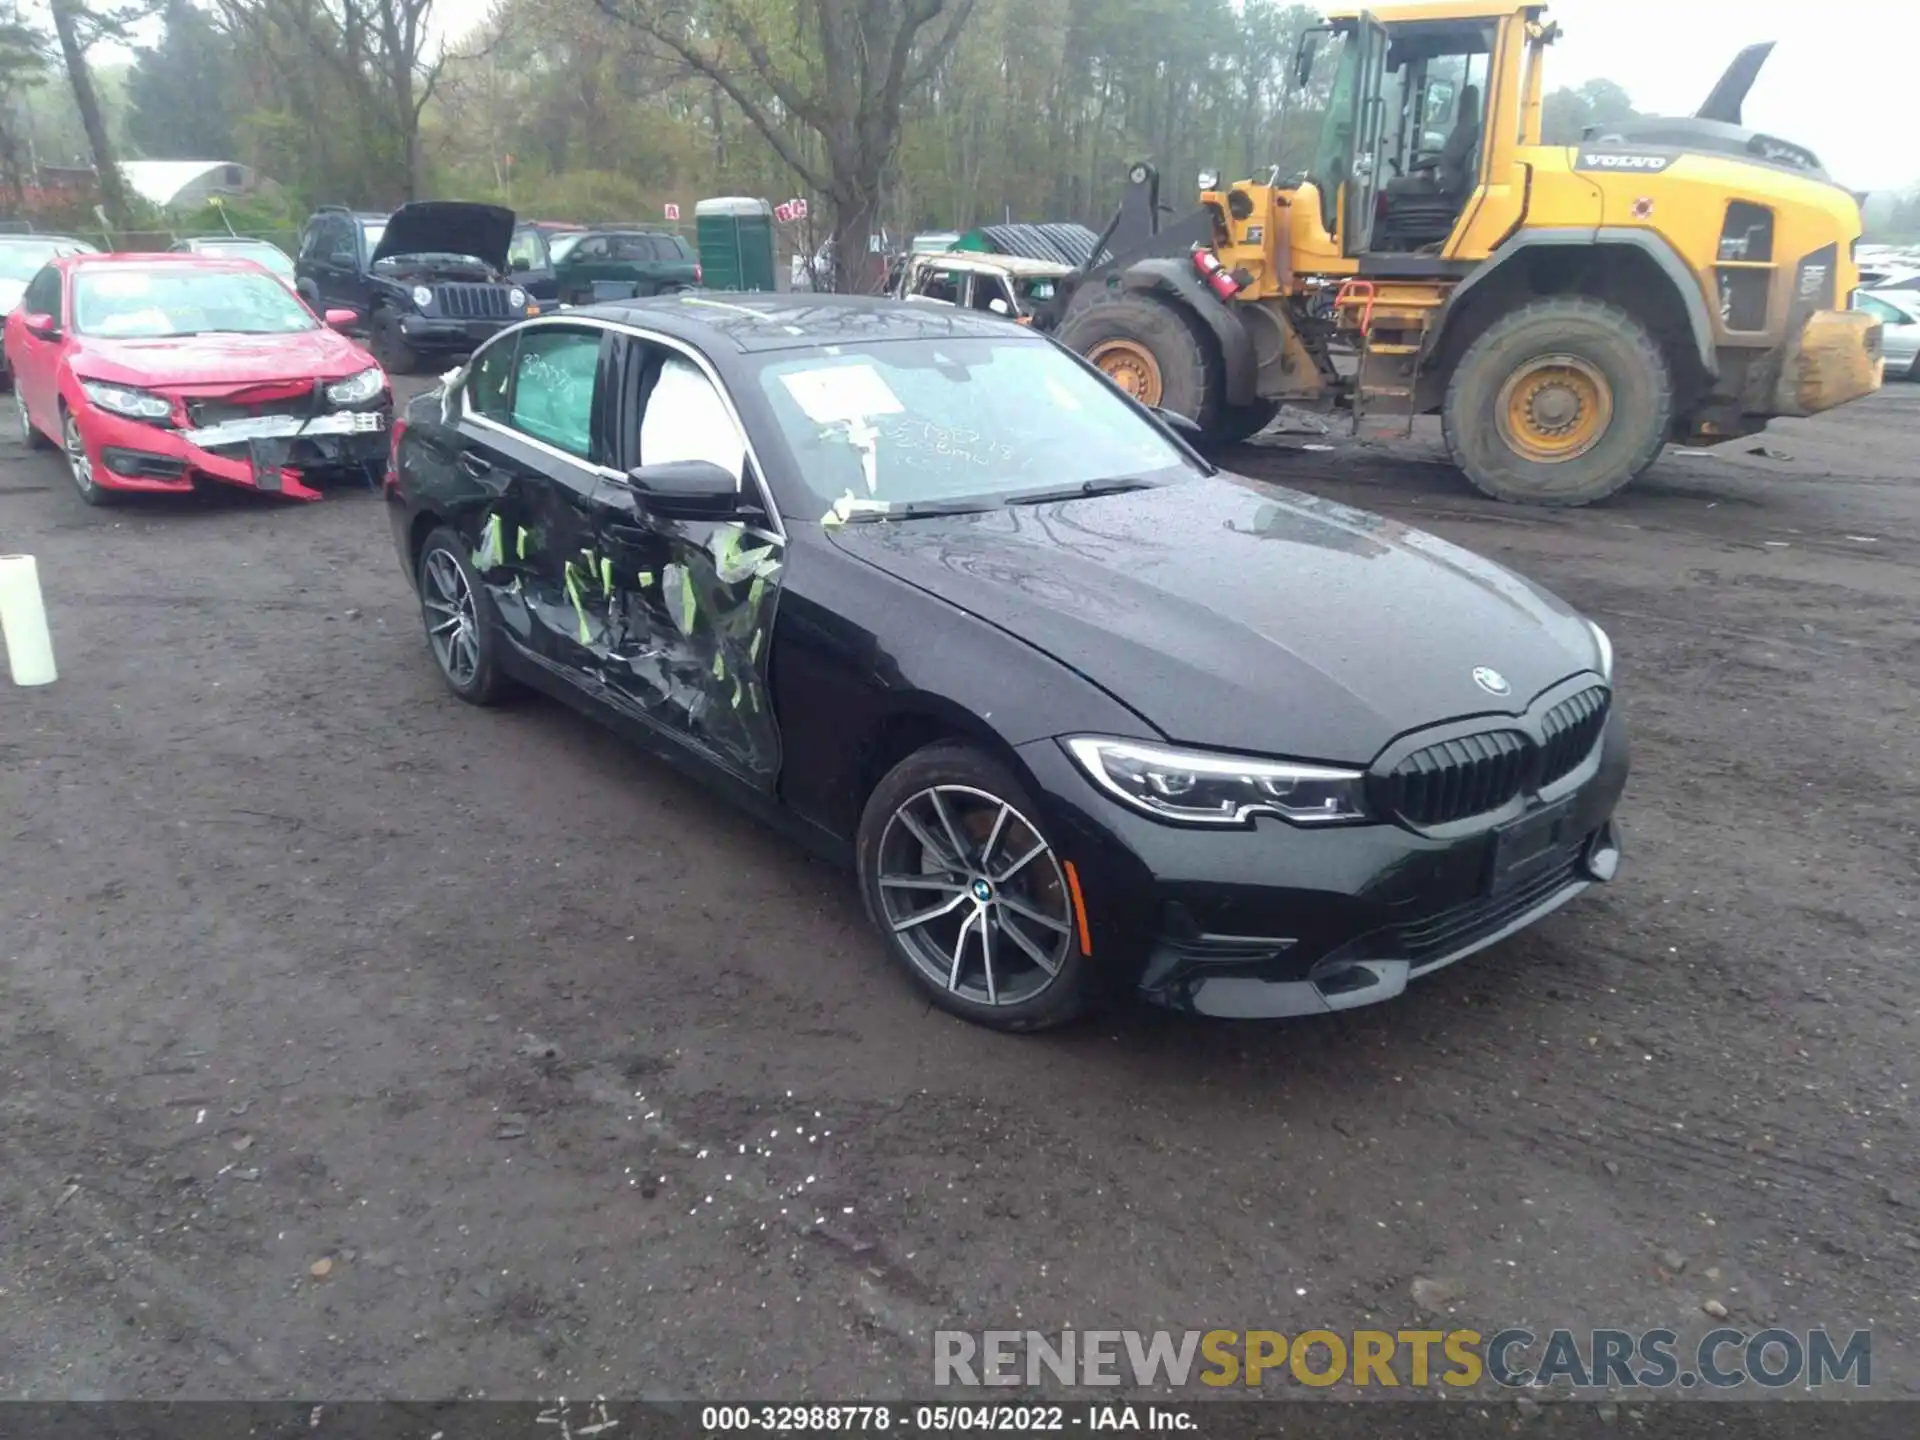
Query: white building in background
{"points": [[189, 184]]}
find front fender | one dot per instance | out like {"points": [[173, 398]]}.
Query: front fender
{"points": [[1178, 280]]}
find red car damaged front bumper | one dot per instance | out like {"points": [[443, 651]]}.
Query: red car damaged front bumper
{"points": [[273, 438]]}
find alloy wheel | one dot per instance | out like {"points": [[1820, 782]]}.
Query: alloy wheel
{"points": [[453, 630], [974, 894], [78, 461]]}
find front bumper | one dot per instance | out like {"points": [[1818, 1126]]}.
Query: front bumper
{"points": [[1278, 921], [1834, 358], [429, 332], [276, 454]]}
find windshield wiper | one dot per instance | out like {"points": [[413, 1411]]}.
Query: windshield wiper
{"points": [[1079, 492], [919, 509]]}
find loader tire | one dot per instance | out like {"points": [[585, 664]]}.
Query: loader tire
{"points": [[1146, 346], [1239, 423], [1562, 402]]}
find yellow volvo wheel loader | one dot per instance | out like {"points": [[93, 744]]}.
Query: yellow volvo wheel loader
{"points": [[1567, 310]]}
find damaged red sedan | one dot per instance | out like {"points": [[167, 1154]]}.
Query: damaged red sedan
{"points": [[156, 373]]}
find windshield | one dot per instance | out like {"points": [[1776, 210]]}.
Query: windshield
{"points": [[261, 253], [1333, 157], [373, 230], [432, 257], [921, 423], [23, 262], [121, 301], [558, 247]]}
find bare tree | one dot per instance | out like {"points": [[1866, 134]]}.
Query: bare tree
{"points": [[69, 23], [867, 57], [377, 48]]}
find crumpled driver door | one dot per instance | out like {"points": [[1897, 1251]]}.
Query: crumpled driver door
{"points": [[692, 602]]}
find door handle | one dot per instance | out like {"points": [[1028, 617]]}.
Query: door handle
{"points": [[475, 465]]}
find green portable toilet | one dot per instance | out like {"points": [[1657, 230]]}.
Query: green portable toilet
{"points": [[736, 242]]}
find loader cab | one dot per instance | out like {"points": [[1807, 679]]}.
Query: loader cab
{"points": [[1411, 128]]}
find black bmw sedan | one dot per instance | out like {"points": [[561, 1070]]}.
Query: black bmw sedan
{"points": [[1085, 714]]}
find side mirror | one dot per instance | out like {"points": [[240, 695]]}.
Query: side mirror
{"points": [[1181, 425], [999, 306], [1304, 57], [686, 490], [340, 319], [39, 323]]}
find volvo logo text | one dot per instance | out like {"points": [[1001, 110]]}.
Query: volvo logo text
{"points": [[1492, 681]]}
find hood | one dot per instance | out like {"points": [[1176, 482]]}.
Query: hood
{"points": [[220, 359], [1245, 618], [456, 227]]}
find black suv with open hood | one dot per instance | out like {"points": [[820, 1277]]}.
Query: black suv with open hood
{"points": [[429, 280]]}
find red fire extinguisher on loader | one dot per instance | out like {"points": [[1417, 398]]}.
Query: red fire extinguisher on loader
{"points": [[1218, 278]]}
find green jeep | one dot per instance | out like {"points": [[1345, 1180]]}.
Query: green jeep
{"points": [[618, 264]]}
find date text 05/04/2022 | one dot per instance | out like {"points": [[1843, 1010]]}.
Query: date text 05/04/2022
{"points": [[938, 1419]]}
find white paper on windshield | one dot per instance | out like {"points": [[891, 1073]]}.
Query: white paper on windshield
{"points": [[837, 394]]}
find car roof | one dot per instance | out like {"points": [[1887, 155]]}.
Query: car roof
{"points": [[41, 239], [985, 263], [760, 321]]}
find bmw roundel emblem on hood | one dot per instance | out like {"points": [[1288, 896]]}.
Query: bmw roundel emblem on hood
{"points": [[1492, 681]]}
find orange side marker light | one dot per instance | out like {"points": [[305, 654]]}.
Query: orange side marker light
{"points": [[1079, 908]]}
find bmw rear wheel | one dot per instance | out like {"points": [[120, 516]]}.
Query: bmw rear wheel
{"points": [[969, 893], [458, 619]]}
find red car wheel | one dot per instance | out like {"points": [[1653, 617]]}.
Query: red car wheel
{"points": [[80, 462], [29, 436]]}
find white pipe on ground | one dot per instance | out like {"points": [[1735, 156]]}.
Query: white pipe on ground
{"points": [[23, 622]]}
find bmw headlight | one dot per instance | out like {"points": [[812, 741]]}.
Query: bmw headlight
{"points": [[516, 297], [1195, 787], [1605, 647], [124, 400], [357, 389], [422, 296]]}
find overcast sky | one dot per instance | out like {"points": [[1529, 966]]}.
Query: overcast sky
{"points": [[1844, 82]]}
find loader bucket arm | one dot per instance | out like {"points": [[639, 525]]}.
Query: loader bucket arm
{"points": [[1730, 94]]}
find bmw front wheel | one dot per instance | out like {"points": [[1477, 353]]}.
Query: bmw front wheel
{"points": [[969, 894]]}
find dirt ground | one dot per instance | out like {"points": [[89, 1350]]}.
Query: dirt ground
{"points": [[354, 1042]]}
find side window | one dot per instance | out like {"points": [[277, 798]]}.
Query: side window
{"points": [[42, 296], [553, 387], [340, 248], [310, 241], [594, 247], [940, 285], [490, 381], [686, 419], [525, 251], [989, 288], [1880, 310]]}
